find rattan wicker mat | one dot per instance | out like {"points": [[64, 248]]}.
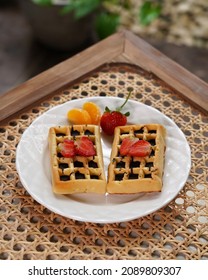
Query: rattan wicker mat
{"points": [[177, 231]]}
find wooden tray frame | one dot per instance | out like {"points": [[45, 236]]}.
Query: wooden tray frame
{"points": [[120, 47]]}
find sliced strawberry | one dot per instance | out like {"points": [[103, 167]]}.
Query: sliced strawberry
{"points": [[141, 148], [67, 148], [85, 147], [126, 145]]}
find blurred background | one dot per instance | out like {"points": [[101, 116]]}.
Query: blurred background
{"points": [[37, 34]]}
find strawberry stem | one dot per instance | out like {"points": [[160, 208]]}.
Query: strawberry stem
{"points": [[119, 108]]}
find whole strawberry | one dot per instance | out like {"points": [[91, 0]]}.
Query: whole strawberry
{"points": [[111, 119]]}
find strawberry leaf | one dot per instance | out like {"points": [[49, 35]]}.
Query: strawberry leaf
{"points": [[107, 109]]}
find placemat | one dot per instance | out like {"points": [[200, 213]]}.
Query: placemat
{"points": [[29, 231]]}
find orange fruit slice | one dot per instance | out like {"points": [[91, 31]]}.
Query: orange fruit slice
{"points": [[79, 116], [94, 112]]}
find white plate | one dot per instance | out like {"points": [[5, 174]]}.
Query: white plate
{"points": [[34, 170]]}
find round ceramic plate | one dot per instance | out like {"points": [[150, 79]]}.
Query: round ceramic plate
{"points": [[33, 166]]}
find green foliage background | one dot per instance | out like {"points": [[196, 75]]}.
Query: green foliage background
{"points": [[107, 17]]}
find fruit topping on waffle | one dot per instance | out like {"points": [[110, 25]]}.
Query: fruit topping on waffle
{"points": [[66, 148], [85, 147], [135, 147], [82, 147]]}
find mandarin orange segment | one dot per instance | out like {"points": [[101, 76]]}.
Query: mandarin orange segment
{"points": [[94, 112], [79, 116]]}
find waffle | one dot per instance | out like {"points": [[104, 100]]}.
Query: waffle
{"points": [[78, 174], [128, 174]]}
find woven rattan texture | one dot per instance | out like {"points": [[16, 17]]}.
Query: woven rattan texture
{"points": [[177, 231]]}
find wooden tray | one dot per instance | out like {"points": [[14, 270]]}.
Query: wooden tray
{"points": [[121, 47], [28, 230]]}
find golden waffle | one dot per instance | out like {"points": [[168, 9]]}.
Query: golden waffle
{"points": [[128, 174], [78, 174]]}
